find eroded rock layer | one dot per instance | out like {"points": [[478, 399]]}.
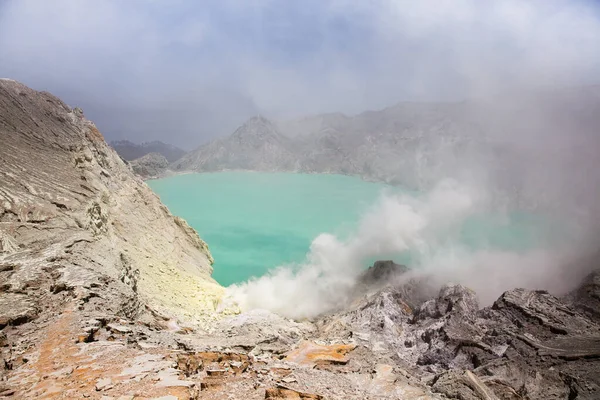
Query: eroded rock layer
{"points": [[78, 231], [72, 213], [527, 345]]}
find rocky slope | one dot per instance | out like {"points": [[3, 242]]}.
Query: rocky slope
{"points": [[131, 151], [77, 229], [70, 208], [527, 345], [151, 165], [105, 295], [256, 145]]}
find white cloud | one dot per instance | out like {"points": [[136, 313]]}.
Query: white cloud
{"points": [[339, 55]]}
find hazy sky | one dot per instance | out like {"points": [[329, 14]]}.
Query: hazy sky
{"points": [[186, 71]]}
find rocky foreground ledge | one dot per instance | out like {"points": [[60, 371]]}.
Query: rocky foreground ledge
{"points": [[104, 294]]}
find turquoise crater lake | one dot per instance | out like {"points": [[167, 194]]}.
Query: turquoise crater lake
{"points": [[254, 222]]}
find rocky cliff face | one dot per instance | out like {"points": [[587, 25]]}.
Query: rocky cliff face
{"points": [[151, 165], [80, 232], [105, 295], [257, 145], [68, 202]]}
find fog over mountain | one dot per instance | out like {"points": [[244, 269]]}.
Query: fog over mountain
{"points": [[187, 72], [527, 150], [530, 146], [130, 151]]}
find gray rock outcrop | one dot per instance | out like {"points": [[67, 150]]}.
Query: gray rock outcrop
{"points": [[152, 165], [527, 345]]}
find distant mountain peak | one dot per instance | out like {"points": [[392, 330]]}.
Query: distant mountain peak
{"points": [[258, 120], [131, 151], [257, 127]]}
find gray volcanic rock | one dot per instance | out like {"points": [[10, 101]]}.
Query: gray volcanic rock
{"points": [[150, 166], [81, 234], [587, 296], [382, 272], [464, 385], [72, 213], [528, 345]]}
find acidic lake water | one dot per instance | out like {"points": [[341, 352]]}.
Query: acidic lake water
{"points": [[254, 222]]}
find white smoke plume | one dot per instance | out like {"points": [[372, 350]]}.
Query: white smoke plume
{"points": [[426, 225]]}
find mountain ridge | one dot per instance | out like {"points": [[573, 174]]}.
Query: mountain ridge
{"points": [[131, 151], [418, 144], [257, 144]]}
